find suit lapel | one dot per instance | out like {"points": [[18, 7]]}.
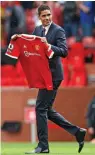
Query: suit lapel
{"points": [[40, 31], [49, 33]]}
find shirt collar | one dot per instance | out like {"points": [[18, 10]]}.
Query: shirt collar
{"points": [[47, 28]]}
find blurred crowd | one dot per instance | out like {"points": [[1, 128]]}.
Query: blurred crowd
{"points": [[76, 17]]}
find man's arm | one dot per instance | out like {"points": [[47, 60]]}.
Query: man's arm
{"points": [[20, 16], [61, 47], [9, 60], [85, 8], [12, 53], [90, 118]]}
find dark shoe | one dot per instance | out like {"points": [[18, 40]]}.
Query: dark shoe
{"points": [[38, 150], [80, 135]]}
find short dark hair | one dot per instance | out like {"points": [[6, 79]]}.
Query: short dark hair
{"points": [[42, 8]]}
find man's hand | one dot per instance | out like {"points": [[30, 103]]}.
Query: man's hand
{"points": [[91, 130], [43, 39], [15, 36]]}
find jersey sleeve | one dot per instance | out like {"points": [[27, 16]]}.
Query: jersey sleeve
{"points": [[48, 50], [13, 50]]}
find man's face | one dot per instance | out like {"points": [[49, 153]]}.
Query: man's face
{"points": [[45, 17]]}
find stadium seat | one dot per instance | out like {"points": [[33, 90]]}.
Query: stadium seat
{"points": [[7, 75], [89, 55], [64, 60], [94, 55], [77, 61], [13, 76], [71, 41], [76, 54], [66, 76], [65, 72], [6, 82], [20, 82], [88, 42], [7, 71], [78, 77]]}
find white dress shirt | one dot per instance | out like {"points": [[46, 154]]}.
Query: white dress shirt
{"points": [[46, 31], [47, 28]]}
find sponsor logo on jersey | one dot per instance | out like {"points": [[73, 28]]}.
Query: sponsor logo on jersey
{"points": [[27, 54]]}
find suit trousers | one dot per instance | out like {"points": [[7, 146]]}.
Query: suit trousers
{"points": [[44, 111]]}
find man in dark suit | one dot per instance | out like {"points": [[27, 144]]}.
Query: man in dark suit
{"points": [[55, 36], [91, 120]]}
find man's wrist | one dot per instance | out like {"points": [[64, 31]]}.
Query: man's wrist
{"points": [[49, 46]]}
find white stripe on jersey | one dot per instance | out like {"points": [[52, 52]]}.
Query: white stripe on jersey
{"points": [[51, 55], [11, 56], [30, 37], [49, 47]]}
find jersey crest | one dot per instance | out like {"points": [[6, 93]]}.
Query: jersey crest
{"points": [[37, 47]]}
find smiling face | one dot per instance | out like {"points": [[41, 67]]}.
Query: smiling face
{"points": [[45, 17]]}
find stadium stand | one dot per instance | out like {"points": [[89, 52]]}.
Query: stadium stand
{"points": [[81, 48]]}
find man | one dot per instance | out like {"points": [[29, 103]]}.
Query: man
{"points": [[71, 18], [91, 120], [86, 17], [55, 36]]}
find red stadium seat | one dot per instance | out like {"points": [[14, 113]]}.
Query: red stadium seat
{"points": [[88, 42], [78, 77], [20, 82], [76, 54], [13, 76], [71, 41], [64, 60], [77, 61], [89, 53], [7, 71], [8, 75], [66, 75], [94, 55]]}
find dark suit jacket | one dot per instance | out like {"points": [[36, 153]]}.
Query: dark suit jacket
{"points": [[91, 113], [55, 37]]}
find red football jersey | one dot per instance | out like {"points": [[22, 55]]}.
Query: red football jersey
{"points": [[33, 54]]}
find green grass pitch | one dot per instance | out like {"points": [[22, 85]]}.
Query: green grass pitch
{"points": [[56, 148]]}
